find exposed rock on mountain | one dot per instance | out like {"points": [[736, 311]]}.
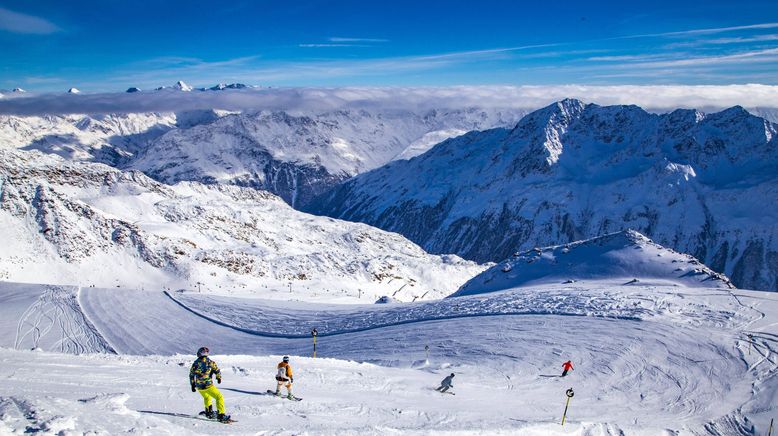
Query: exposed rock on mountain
{"points": [[702, 184], [83, 223], [300, 156]]}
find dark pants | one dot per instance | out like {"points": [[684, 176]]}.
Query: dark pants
{"points": [[564, 373], [443, 388]]}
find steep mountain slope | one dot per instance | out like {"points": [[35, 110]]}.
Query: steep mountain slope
{"points": [[300, 155], [83, 223], [695, 182], [622, 258]]}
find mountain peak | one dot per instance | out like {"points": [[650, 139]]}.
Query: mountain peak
{"points": [[570, 105], [561, 112], [734, 113], [133, 89], [182, 86], [19, 90], [74, 91]]}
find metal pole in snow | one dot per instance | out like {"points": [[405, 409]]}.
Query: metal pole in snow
{"points": [[750, 341], [427, 350], [314, 333], [569, 394], [770, 431]]}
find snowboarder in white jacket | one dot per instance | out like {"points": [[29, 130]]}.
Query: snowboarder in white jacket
{"points": [[446, 384]]}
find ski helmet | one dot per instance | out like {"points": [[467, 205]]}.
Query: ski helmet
{"points": [[286, 358], [452, 374], [203, 351]]}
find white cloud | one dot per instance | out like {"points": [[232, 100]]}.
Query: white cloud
{"points": [[332, 45], [767, 55], [340, 39], [398, 98], [622, 58], [17, 22], [721, 41], [702, 31]]}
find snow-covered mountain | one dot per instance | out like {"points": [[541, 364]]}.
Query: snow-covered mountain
{"points": [[111, 139], [182, 86], [298, 156], [694, 182], [295, 156], [222, 86], [625, 257], [90, 224]]}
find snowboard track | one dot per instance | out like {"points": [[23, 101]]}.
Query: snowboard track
{"points": [[58, 310]]}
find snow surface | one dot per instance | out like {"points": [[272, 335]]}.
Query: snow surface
{"points": [[648, 360], [623, 257], [429, 140]]}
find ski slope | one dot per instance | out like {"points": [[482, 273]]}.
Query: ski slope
{"points": [[648, 360]]}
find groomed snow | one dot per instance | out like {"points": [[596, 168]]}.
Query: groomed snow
{"points": [[648, 360]]}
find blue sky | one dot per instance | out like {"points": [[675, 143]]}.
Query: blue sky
{"points": [[110, 45]]}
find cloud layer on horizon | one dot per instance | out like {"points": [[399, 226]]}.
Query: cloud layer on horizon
{"points": [[651, 97]]}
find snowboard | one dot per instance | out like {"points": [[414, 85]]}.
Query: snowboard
{"points": [[273, 393], [202, 416]]}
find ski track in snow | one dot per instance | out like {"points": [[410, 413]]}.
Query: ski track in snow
{"points": [[55, 319], [678, 361]]}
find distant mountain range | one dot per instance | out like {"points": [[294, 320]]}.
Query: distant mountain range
{"points": [[703, 184], [293, 155], [695, 182]]}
